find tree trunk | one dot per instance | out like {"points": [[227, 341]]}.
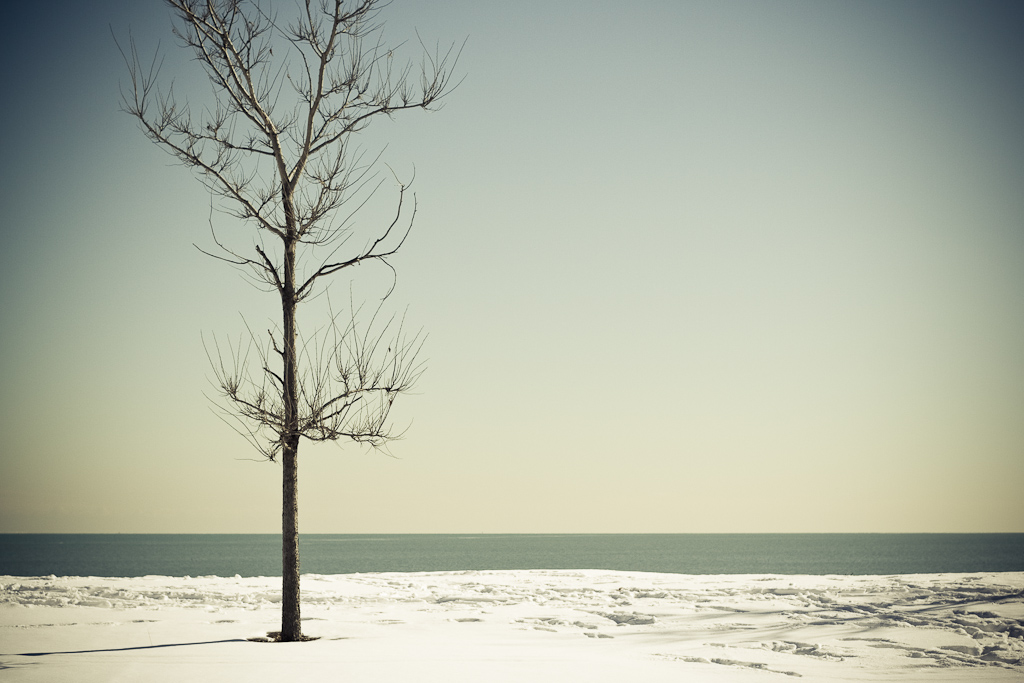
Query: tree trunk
{"points": [[291, 626]]}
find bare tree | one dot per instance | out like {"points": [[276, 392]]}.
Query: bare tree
{"points": [[275, 150]]}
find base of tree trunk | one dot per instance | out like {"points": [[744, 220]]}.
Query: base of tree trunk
{"points": [[275, 637]]}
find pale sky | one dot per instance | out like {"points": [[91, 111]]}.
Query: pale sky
{"points": [[684, 267]]}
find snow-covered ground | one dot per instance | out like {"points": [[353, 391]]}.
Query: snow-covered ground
{"points": [[534, 626]]}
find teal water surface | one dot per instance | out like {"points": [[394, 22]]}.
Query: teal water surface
{"points": [[259, 555]]}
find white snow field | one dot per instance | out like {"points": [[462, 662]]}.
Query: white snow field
{"points": [[535, 626]]}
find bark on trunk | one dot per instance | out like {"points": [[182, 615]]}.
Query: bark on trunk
{"points": [[291, 627]]}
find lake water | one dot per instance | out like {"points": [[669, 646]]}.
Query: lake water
{"points": [[259, 554]]}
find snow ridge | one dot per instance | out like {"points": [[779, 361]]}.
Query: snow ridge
{"points": [[821, 627]]}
